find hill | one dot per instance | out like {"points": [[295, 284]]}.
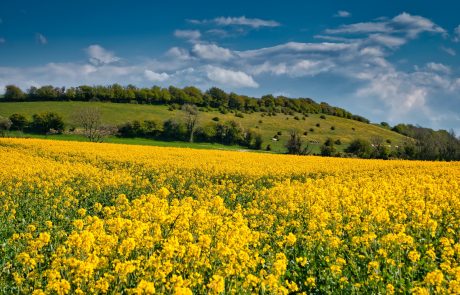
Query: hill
{"points": [[334, 127]]}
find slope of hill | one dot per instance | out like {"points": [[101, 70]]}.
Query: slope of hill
{"points": [[117, 113]]}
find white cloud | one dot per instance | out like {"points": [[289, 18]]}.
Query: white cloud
{"points": [[100, 56], [456, 34], [387, 40], [41, 39], [230, 78], [409, 25], [2, 40], [179, 53], [188, 34], [438, 67], [449, 51], [237, 21], [396, 91], [243, 21], [342, 13], [212, 52], [156, 77]]}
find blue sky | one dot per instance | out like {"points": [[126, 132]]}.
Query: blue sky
{"points": [[394, 61]]}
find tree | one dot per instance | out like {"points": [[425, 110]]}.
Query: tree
{"points": [[191, 119], [360, 147], [90, 119], [14, 93], [294, 144], [5, 125], [328, 149]]}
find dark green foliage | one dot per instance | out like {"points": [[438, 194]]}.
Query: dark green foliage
{"points": [[13, 93], [323, 117], [295, 146], [429, 144], [328, 149], [173, 130], [360, 147], [44, 123], [18, 122]]}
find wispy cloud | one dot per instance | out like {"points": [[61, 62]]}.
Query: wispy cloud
{"points": [[405, 24], [2, 40], [192, 35], [456, 37], [238, 21], [41, 39], [100, 56], [342, 13], [448, 50], [438, 67]]}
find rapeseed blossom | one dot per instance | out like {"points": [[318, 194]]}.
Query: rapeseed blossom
{"points": [[109, 219]]}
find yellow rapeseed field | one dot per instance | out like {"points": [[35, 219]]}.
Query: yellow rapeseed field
{"points": [[82, 218]]}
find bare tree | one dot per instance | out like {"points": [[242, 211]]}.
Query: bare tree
{"points": [[191, 119], [90, 119]]}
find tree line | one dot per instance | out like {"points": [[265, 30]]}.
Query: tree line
{"points": [[212, 98], [89, 122]]}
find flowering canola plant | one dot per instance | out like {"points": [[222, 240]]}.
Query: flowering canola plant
{"points": [[84, 218]]}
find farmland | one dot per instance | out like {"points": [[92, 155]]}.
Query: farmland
{"points": [[104, 218]]}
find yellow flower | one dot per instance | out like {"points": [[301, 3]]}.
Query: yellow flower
{"points": [[216, 284]]}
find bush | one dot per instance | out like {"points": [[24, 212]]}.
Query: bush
{"points": [[5, 125], [338, 142], [279, 133], [268, 148], [332, 128], [174, 130], [216, 119], [305, 133], [360, 147], [318, 125], [18, 122], [43, 123], [296, 118], [328, 149], [323, 117]]}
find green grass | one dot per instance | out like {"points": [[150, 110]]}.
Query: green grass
{"points": [[114, 114]]}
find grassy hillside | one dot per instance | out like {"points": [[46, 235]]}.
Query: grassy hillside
{"points": [[346, 130]]}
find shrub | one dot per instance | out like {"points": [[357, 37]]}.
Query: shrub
{"points": [[332, 128], [43, 123], [18, 122], [318, 125], [5, 125], [323, 117], [360, 147], [216, 119]]}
